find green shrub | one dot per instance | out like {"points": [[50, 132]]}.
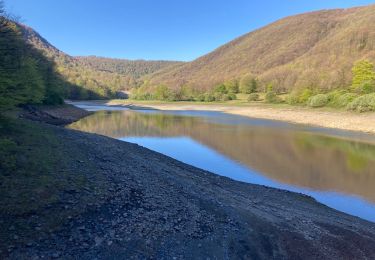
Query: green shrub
{"points": [[292, 98], [300, 96], [341, 100], [200, 98], [253, 97], [221, 89], [232, 96], [319, 100], [305, 95], [208, 97], [218, 96], [363, 103], [366, 87], [271, 97]]}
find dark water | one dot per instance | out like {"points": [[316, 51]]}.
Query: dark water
{"points": [[336, 168]]}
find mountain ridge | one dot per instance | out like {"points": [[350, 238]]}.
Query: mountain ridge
{"points": [[287, 42], [86, 73], [311, 50]]}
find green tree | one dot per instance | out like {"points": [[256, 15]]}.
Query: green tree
{"points": [[221, 89], [232, 86], [162, 92], [363, 71], [26, 75], [248, 84]]}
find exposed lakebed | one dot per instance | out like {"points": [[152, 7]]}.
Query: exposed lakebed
{"points": [[337, 168]]}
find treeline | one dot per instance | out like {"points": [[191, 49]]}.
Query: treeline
{"points": [[359, 96], [221, 92], [26, 75], [134, 68]]}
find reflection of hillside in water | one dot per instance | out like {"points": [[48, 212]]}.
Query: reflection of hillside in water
{"points": [[297, 158]]}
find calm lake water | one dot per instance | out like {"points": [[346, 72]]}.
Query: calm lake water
{"points": [[337, 168]]}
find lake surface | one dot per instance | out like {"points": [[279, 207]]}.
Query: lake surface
{"points": [[337, 168]]}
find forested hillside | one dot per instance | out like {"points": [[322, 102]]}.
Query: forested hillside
{"points": [[135, 68], [94, 77], [314, 50], [26, 75]]}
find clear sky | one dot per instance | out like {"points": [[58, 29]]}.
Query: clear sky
{"points": [[155, 29]]}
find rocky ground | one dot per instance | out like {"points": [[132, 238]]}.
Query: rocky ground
{"points": [[116, 200], [55, 115]]}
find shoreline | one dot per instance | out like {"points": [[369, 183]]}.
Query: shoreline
{"points": [[342, 120], [193, 213], [113, 199]]}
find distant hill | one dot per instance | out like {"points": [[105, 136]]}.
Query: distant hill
{"points": [[136, 68], [315, 49], [101, 77]]}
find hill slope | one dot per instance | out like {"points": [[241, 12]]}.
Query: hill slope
{"points": [[100, 76], [314, 49]]}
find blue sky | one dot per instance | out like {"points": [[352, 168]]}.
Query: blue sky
{"points": [[155, 29]]}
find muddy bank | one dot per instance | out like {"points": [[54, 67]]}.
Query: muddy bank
{"points": [[116, 200], [336, 119]]}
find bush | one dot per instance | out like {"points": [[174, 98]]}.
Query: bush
{"points": [[253, 97], [209, 97], [341, 100], [232, 96], [271, 97], [305, 96], [200, 98], [363, 103], [292, 98], [300, 96], [221, 89], [319, 100], [366, 87]]}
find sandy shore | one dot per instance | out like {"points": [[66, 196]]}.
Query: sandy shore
{"points": [[363, 122]]}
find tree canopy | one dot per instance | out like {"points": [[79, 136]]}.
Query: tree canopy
{"points": [[26, 75], [363, 71]]}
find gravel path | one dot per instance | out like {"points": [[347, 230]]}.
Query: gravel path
{"points": [[146, 205]]}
